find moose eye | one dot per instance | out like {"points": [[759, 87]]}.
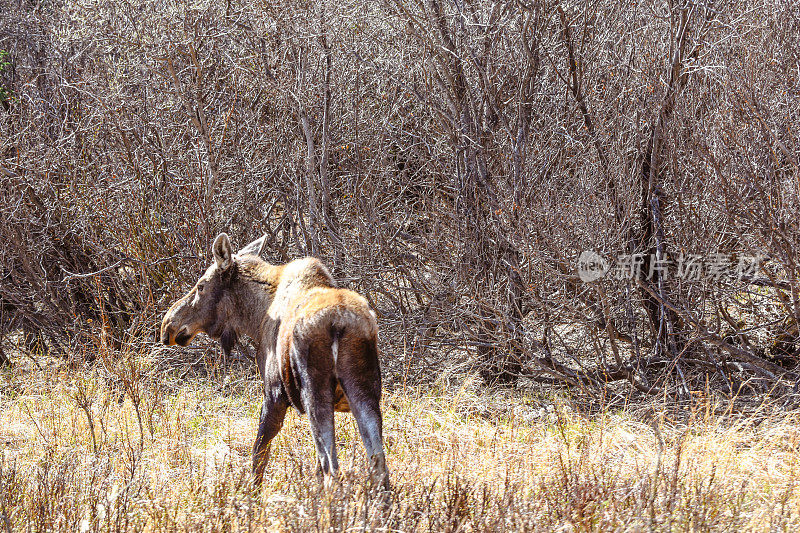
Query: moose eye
{"points": [[201, 287]]}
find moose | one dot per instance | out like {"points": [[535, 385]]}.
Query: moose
{"points": [[316, 346]]}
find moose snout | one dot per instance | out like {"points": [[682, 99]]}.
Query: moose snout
{"points": [[167, 334], [172, 334]]}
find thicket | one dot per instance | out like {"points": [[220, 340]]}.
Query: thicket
{"points": [[449, 160]]}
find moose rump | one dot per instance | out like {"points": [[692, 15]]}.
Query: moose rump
{"points": [[327, 360], [316, 345]]}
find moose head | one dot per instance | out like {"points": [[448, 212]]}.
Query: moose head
{"points": [[211, 307]]}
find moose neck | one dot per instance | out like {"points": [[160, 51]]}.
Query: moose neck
{"points": [[256, 287]]}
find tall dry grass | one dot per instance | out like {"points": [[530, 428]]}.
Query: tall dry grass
{"points": [[80, 452]]}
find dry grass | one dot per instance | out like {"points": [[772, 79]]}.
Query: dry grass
{"points": [[459, 460]]}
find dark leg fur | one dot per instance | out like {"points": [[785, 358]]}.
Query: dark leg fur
{"points": [[360, 378], [315, 369], [273, 411]]}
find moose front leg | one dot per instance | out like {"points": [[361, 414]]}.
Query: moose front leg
{"points": [[273, 411]]}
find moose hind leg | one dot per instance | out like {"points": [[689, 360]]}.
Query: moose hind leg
{"points": [[319, 406], [316, 393], [273, 411], [370, 425], [363, 395]]}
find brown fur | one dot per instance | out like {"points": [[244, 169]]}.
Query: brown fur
{"points": [[316, 345]]}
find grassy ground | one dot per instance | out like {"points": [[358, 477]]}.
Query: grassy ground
{"points": [[130, 445]]}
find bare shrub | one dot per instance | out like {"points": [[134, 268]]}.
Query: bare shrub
{"points": [[449, 160]]}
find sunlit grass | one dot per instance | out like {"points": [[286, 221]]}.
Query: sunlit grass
{"points": [[462, 458]]}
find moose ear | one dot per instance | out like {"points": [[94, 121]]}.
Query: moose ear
{"points": [[254, 248], [222, 251]]}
